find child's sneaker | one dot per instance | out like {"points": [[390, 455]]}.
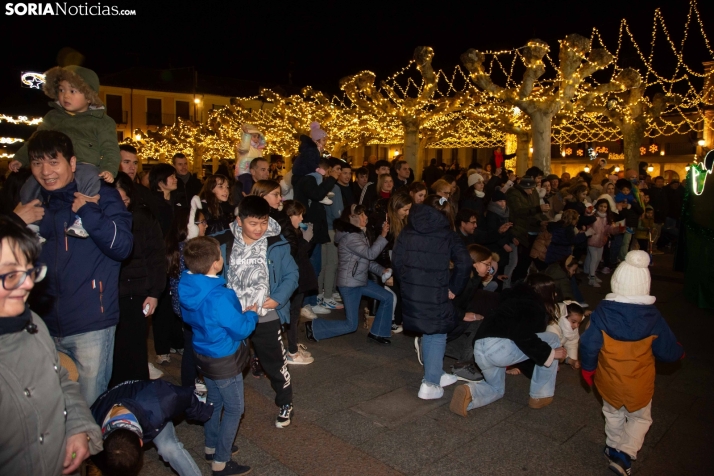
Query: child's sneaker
{"points": [[593, 283], [154, 373], [36, 229], [330, 304], [619, 461], [164, 358], [298, 359], [330, 194], [326, 201], [336, 297], [77, 230], [302, 350], [284, 415], [597, 279], [396, 328]]}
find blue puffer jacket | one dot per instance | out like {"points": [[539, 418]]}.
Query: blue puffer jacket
{"points": [[420, 260], [628, 323], [81, 291], [562, 242], [283, 274], [154, 403]]}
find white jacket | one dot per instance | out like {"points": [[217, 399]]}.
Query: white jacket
{"points": [[569, 337]]}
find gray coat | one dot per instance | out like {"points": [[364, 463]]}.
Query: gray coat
{"points": [[39, 405], [355, 257]]}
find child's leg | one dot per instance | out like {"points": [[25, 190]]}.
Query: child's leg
{"points": [[268, 346], [87, 178], [295, 307], [586, 263], [172, 451], [230, 392], [614, 424], [211, 427], [636, 427], [596, 260]]}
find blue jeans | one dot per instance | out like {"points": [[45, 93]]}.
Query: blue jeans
{"points": [[351, 296], [172, 451], [93, 353], [316, 262], [226, 395], [433, 347], [493, 355]]}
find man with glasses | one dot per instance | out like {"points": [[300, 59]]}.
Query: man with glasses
{"points": [[79, 299], [466, 222]]}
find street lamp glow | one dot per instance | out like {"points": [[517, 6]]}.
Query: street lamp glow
{"points": [[197, 101], [650, 168], [701, 142], [137, 137], [587, 169], [617, 169]]}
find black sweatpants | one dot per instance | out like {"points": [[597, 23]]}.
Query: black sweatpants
{"points": [[168, 330], [268, 346], [295, 308], [131, 357]]}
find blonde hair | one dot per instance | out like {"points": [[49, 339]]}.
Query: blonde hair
{"points": [[381, 179], [439, 185], [396, 203]]}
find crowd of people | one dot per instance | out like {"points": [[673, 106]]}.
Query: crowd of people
{"points": [[476, 264]]}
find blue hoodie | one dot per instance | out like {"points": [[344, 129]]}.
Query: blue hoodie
{"points": [[215, 315]]}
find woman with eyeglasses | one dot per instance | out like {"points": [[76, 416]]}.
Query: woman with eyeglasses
{"points": [[142, 280], [47, 426]]}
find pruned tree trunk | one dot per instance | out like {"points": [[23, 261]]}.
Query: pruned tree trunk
{"points": [[411, 144], [632, 135], [540, 128], [523, 143]]}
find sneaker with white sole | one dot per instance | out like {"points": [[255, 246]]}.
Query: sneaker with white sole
{"points": [[307, 313], [593, 283], [336, 297], [302, 350], [299, 359], [467, 373], [164, 358], [284, 416], [326, 201], [319, 309], [597, 279], [77, 230], [447, 379], [330, 304], [397, 329], [154, 373], [428, 391], [417, 347], [176, 351]]}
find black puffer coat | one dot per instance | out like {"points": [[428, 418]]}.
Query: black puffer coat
{"points": [[420, 260], [143, 273]]}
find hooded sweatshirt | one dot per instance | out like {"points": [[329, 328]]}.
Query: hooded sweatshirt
{"points": [[214, 314], [248, 271]]}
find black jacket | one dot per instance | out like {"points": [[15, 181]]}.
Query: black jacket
{"points": [[220, 223], [420, 259], [579, 207], [674, 201], [307, 160], [154, 403], [519, 317], [185, 191], [143, 273], [660, 203], [162, 209], [307, 190], [348, 197], [431, 174], [286, 229]]}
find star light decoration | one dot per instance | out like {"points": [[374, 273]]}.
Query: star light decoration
{"points": [[32, 80]]}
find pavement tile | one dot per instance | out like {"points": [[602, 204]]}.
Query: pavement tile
{"points": [[350, 426], [413, 445], [397, 407], [447, 466], [560, 420], [479, 419]]}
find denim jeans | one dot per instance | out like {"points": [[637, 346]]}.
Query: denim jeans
{"points": [[512, 263], [351, 296], [93, 353], [493, 355], [433, 347], [172, 451], [226, 395], [615, 245]]}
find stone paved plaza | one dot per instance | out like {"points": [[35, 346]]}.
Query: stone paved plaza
{"points": [[357, 412]]}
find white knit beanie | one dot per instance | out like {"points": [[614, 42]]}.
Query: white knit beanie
{"points": [[474, 179], [632, 277]]}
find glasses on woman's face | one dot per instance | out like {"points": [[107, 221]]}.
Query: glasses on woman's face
{"points": [[15, 279], [202, 222]]}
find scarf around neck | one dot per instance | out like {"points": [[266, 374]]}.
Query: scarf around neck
{"points": [[247, 273], [502, 212]]}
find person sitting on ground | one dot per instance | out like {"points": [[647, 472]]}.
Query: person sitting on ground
{"points": [[220, 326], [513, 333], [355, 259], [618, 351], [138, 412], [569, 317], [47, 427]]}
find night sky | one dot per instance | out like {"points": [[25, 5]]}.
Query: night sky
{"points": [[317, 43]]}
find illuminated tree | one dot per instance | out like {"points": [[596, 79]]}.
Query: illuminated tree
{"points": [[386, 102], [542, 100]]}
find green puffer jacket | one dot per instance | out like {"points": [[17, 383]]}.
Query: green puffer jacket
{"points": [[526, 214], [93, 134]]}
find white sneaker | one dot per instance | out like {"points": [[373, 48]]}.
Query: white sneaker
{"points": [[330, 194], [430, 392], [330, 304], [396, 329], [77, 230], [336, 297], [302, 350], [593, 283], [326, 201], [299, 359], [447, 379], [597, 279], [165, 358], [319, 310], [307, 313], [154, 373]]}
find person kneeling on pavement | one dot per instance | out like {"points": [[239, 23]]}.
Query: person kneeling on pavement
{"points": [[141, 411]]}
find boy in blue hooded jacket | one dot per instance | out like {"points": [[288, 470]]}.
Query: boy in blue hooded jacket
{"points": [[220, 326]]}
